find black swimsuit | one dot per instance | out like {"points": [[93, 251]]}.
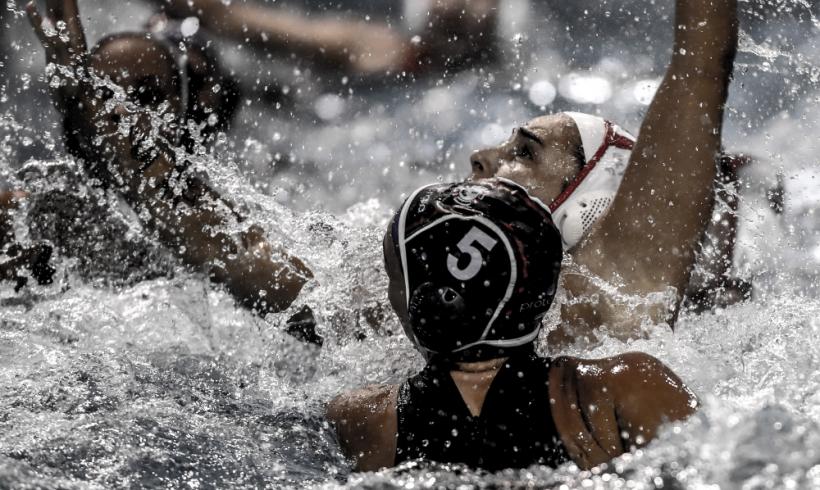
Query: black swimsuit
{"points": [[514, 430]]}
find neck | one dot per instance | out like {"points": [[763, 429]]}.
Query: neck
{"points": [[481, 366], [473, 380]]}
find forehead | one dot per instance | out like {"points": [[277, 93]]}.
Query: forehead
{"points": [[132, 58], [557, 125]]}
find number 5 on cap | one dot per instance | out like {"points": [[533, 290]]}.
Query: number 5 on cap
{"points": [[467, 246]]}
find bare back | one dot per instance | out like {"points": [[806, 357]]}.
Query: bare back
{"points": [[623, 401]]}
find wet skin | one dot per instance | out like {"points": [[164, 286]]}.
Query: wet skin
{"points": [[544, 155], [258, 274], [645, 244], [458, 33]]}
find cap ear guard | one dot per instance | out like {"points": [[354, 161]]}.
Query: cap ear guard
{"points": [[607, 149]]}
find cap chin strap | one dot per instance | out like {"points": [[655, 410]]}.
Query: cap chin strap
{"points": [[607, 148]]}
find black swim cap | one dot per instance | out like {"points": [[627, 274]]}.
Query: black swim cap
{"points": [[480, 263]]}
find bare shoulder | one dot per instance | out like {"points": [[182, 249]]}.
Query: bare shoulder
{"points": [[638, 368], [644, 390], [631, 370], [364, 402], [366, 423], [633, 395]]}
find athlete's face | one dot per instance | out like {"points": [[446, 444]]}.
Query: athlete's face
{"points": [[544, 156], [151, 101]]}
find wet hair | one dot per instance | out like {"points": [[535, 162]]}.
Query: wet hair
{"points": [[578, 155]]}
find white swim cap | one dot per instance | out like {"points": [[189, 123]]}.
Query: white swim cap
{"points": [[607, 148]]}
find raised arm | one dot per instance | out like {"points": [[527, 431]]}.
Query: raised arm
{"points": [[197, 228], [647, 240]]}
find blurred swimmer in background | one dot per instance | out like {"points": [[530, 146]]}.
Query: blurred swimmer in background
{"points": [[458, 34], [78, 223], [164, 96], [127, 105]]}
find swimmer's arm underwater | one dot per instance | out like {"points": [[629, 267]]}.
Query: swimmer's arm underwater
{"points": [[647, 240], [194, 225]]}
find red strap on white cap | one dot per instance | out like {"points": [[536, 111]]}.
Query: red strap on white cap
{"points": [[588, 196]]}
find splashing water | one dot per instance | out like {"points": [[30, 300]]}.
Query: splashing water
{"points": [[133, 371]]}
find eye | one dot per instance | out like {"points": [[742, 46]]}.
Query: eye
{"points": [[523, 152]]}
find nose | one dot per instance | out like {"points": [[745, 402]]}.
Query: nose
{"points": [[484, 163]]}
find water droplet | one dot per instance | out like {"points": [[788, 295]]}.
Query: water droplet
{"points": [[189, 26], [329, 106], [644, 91], [542, 93]]}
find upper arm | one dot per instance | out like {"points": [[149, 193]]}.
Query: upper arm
{"points": [[367, 426], [649, 235], [647, 394]]}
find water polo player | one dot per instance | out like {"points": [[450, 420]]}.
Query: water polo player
{"points": [[644, 245], [142, 83], [645, 242], [473, 269]]}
